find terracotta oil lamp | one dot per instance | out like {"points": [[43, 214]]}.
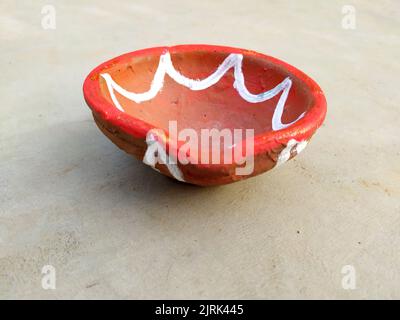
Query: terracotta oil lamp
{"points": [[205, 115]]}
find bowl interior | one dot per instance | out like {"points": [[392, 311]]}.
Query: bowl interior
{"points": [[219, 106]]}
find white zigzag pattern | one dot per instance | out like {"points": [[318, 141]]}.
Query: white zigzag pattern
{"points": [[234, 60]]}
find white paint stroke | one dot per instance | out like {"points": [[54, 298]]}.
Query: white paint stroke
{"points": [[234, 60], [156, 153], [293, 144], [301, 146]]}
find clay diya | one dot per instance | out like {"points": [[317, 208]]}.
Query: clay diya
{"points": [[202, 114]]}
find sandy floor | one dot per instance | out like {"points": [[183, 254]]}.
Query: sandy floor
{"points": [[113, 228]]}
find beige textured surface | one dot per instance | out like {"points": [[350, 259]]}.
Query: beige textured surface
{"points": [[114, 228]]}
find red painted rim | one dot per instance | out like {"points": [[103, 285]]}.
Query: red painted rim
{"points": [[303, 129]]}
